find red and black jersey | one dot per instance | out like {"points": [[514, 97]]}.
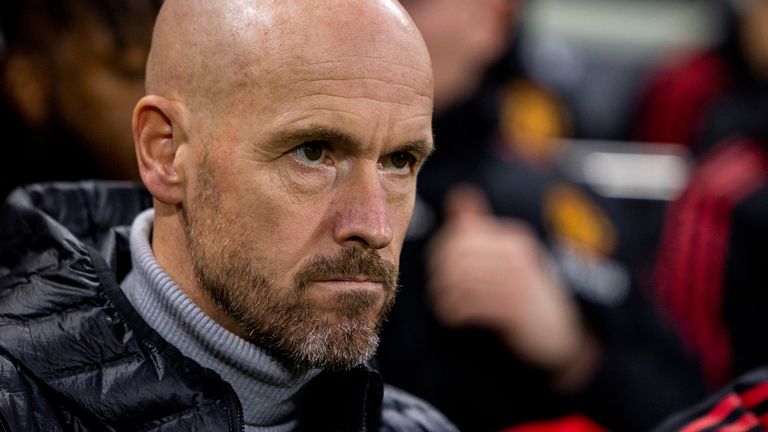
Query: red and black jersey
{"points": [[742, 407], [713, 261]]}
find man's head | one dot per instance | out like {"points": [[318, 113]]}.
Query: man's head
{"points": [[281, 141], [74, 69]]}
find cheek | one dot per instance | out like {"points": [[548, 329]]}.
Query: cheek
{"points": [[400, 217], [273, 224], [302, 185]]}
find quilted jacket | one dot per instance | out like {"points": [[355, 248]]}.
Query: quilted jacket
{"points": [[75, 355]]}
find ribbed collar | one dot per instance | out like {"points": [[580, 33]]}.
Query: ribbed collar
{"points": [[268, 391]]}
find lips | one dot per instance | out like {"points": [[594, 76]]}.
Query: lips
{"points": [[352, 278], [353, 283]]}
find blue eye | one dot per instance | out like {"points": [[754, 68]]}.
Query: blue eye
{"points": [[311, 153]]}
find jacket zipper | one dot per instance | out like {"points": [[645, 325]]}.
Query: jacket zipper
{"points": [[234, 402]]}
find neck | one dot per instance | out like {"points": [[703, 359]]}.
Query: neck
{"points": [[269, 390]]}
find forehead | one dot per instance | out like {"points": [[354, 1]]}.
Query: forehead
{"points": [[350, 92], [312, 75], [330, 66], [381, 79]]}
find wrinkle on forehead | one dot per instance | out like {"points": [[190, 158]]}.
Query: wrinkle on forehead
{"points": [[368, 78], [366, 66], [206, 51]]}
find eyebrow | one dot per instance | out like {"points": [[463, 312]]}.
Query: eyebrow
{"points": [[313, 133], [422, 147]]}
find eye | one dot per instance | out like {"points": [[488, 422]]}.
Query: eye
{"points": [[311, 153], [401, 160]]}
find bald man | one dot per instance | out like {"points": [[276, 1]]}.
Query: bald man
{"points": [[280, 142]]}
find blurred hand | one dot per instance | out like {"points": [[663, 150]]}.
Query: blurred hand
{"points": [[491, 272]]}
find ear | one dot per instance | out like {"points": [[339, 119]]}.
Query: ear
{"points": [[157, 135], [26, 84]]}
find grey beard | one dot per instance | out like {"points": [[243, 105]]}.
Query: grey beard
{"points": [[280, 318]]}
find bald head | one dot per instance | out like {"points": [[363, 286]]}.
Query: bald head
{"points": [[203, 52]]}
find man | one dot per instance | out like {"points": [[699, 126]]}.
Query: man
{"points": [[70, 74], [724, 206], [280, 142]]}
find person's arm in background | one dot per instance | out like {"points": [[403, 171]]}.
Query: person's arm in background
{"points": [[491, 272], [616, 362]]}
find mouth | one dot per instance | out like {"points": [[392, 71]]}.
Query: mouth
{"points": [[349, 283], [351, 279]]}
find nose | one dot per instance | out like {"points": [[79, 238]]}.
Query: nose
{"points": [[361, 211]]}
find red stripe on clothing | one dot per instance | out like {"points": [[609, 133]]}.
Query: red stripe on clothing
{"points": [[724, 408], [573, 423], [704, 298], [678, 98], [755, 396], [743, 423], [764, 420]]}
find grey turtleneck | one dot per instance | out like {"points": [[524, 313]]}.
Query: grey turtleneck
{"points": [[267, 390]]}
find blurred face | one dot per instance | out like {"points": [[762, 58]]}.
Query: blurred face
{"points": [[463, 38], [754, 35], [95, 85], [303, 191]]}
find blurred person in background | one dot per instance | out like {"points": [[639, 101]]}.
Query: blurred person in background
{"points": [[711, 268], [70, 73], [702, 98], [484, 328]]}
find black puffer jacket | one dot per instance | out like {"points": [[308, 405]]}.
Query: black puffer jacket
{"points": [[75, 356]]}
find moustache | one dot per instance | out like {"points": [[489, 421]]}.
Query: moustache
{"points": [[350, 264]]}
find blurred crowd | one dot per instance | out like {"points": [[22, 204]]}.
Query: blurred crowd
{"points": [[528, 294]]}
